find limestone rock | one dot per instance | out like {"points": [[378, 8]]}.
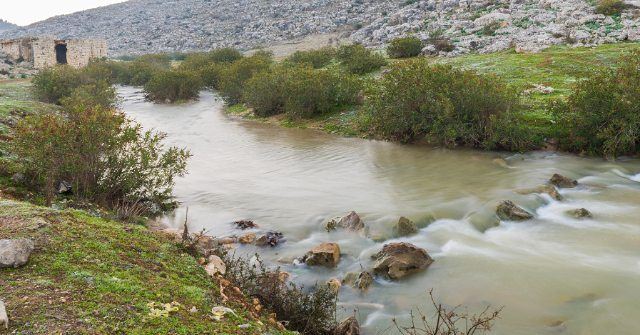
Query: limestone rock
{"points": [[405, 227], [325, 254], [334, 284], [562, 181], [4, 319], [580, 213], [15, 253], [352, 221], [551, 190], [247, 238], [364, 281], [507, 210], [215, 265], [272, 239], [397, 260], [245, 224], [348, 326]]}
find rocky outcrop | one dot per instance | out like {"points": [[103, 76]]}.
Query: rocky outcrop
{"points": [[580, 213], [509, 211], [364, 281], [271, 238], [15, 253], [348, 326], [215, 265], [562, 181], [351, 221], [405, 227], [398, 260], [325, 254]]}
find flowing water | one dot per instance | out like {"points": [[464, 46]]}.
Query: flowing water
{"points": [[553, 274]]}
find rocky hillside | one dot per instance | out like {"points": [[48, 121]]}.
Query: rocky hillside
{"points": [[143, 26], [4, 25]]}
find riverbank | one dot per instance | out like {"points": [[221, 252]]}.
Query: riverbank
{"points": [[541, 78]]}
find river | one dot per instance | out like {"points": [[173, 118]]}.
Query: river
{"points": [[553, 274]]}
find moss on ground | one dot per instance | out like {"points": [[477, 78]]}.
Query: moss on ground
{"points": [[89, 275]]}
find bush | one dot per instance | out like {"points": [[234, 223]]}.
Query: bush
{"points": [[173, 86], [234, 76], [224, 55], [446, 105], [610, 7], [104, 156], [55, 83], [143, 68], [300, 92], [602, 114], [405, 47], [357, 59], [308, 313], [316, 58]]}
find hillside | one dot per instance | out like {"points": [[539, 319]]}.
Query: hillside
{"points": [[148, 26], [4, 25]]}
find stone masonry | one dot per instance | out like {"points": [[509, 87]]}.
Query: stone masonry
{"points": [[44, 52]]}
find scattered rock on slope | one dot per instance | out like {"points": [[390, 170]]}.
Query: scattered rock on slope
{"points": [[15, 253]]}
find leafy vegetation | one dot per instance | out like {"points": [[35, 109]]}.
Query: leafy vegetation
{"points": [[357, 59], [318, 58], [234, 76], [172, 86], [610, 7], [405, 47]]}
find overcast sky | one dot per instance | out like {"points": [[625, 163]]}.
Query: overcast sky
{"points": [[24, 12]]}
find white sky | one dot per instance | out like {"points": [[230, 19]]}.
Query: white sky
{"points": [[24, 12]]}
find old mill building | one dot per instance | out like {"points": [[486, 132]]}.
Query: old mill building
{"points": [[43, 52]]}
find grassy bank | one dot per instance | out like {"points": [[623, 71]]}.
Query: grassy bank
{"points": [[90, 275]]}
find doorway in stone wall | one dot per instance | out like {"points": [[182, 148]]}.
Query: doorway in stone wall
{"points": [[61, 53]]}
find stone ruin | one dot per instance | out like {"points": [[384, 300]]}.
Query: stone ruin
{"points": [[43, 52]]}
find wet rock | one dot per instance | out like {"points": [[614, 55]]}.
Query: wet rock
{"points": [[271, 238], [226, 240], [247, 238], [351, 221], [325, 254], [405, 227], [204, 244], [397, 260], [507, 210], [501, 163], [348, 326], [562, 181], [64, 187], [350, 278], [215, 266], [15, 253], [334, 284], [245, 224], [364, 281], [4, 319], [580, 213], [551, 190]]}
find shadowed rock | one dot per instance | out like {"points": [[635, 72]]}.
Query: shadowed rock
{"points": [[348, 326], [405, 227], [397, 260], [507, 210], [562, 181]]}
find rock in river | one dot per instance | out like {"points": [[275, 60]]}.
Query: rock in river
{"points": [[562, 181], [271, 238], [551, 190], [325, 254], [364, 281], [580, 213], [397, 260], [507, 210], [405, 227], [351, 221], [15, 253]]}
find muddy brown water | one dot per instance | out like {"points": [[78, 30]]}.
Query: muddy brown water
{"points": [[553, 274]]}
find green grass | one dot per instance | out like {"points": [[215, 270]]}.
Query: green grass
{"points": [[94, 276]]}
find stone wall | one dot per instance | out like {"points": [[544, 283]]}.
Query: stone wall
{"points": [[18, 49], [80, 52], [44, 53]]}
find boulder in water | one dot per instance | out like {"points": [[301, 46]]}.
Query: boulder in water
{"points": [[551, 190], [271, 238], [325, 254], [351, 221], [364, 281], [247, 238], [405, 227], [562, 181], [507, 210], [348, 326], [580, 213], [334, 284], [15, 253], [245, 224], [397, 260]]}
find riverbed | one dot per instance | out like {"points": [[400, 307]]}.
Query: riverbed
{"points": [[553, 274]]}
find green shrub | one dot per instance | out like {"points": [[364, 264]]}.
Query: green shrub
{"points": [[234, 76], [55, 83], [300, 91], [211, 74], [225, 55], [602, 114], [143, 68], [173, 86], [610, 7], [446, 105], [359, 60], [405, 47], [318, 58], [106, 158]]}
